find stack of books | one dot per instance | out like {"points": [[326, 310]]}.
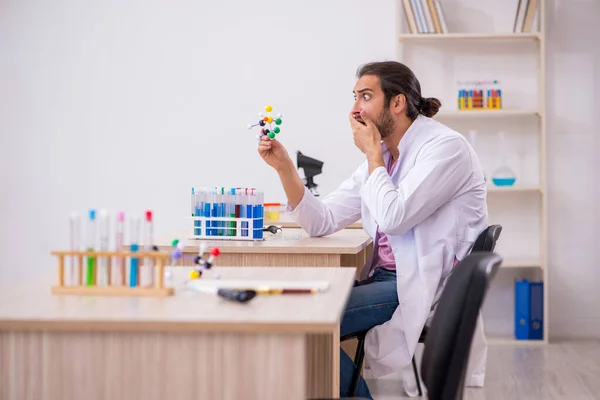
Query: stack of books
{"points": [[526, 17], [424, 16]]}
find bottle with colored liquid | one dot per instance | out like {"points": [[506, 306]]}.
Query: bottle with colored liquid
{"points": [[73, 271], [257, 214], [503, 175], [119, 275], [134, 262], [90, 276], [103, 273], [149, 267]]}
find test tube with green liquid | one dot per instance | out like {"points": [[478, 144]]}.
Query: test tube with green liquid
{"points": [[91, 245]]}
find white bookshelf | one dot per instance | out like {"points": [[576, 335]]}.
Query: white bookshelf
{"points": [[501, 113], [488, 44]]}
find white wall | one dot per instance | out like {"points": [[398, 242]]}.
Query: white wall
{"points": [[574, 170], [163, 93], [126, 105]]}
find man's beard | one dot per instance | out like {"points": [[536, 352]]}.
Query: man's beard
{"points": [[385, 123]]}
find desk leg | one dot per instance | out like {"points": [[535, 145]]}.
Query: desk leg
{"points": [[152, 366], [355, 260], [323, 374]]}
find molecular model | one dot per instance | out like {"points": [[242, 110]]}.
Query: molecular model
{"points": [[201, 264], [268, 119]]}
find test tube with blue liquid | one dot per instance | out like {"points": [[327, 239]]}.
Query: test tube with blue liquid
{"points": [[195, 211], [257, 214], [248, 213], [215, 212], [135, 246], [206, 201], [222, 210]]}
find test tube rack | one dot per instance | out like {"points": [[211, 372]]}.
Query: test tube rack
{"points": [[158, 289], [227, 228]]}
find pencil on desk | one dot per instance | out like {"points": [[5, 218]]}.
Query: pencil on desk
{"points": [[285, 290]]}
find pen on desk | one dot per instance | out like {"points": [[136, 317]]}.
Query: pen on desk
{"points": [[103, 260], [240, 296], [119, 276], [91, 244], [75, 224]]}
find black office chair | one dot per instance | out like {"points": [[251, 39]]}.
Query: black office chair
{"points": [[449, 338], [485, 242]]}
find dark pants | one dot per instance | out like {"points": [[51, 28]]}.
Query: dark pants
{"points": [[372, 302]]}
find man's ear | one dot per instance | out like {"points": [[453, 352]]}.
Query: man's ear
{"points": [[398, 103]]}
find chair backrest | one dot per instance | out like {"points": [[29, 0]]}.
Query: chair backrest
{"points": [[486, 241], [450, 334]]}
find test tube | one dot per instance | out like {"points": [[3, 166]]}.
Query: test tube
{"points": [[119, 275], [237, 210], [249, 212], [149, 243], [91, 245], [134, 261], [75, 226], [231, 213], [194, 211], [103, 260], [222, 201], [260, 200], [254, 202], [215, 212]]}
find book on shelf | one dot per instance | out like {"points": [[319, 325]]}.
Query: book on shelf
{"points": [[526, 16], [424, 16]]}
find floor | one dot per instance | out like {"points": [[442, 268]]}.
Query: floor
{"points": [[569, 370]]}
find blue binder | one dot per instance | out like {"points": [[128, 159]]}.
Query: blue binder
{"points": [[529, 310]]}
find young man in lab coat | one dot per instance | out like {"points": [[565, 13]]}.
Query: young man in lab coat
{"points": [[421, 195]]}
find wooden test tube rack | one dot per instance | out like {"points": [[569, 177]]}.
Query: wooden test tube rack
{"points": [[156, 290]]}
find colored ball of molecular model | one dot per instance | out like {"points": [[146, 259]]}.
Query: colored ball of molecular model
{"points": [[269, 131], [201, 264]]}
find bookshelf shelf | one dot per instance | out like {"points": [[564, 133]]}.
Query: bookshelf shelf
{"points": [[469, 36], [522, 263], [514, 189], [475, 113]]}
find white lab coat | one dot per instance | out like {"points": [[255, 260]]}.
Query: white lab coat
{"points": [[433, 212]]}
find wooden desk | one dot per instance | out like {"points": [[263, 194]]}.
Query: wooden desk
{"points": [[188, 346], [285, 221], [346, 248]]}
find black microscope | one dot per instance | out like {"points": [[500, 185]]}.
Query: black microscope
{"points": [[311, 168]]}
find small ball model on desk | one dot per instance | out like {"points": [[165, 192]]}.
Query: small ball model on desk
{"points": [[201, 264], [271, 131]]}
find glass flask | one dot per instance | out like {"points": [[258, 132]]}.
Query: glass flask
{"points": [[503, 175]]}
